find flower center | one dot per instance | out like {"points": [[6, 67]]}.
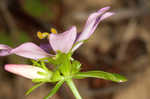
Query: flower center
{"points": [[43, 35]]}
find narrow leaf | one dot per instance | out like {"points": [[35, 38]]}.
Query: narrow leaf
{"points": [[54, 90], [33, 88], [102, 75]]}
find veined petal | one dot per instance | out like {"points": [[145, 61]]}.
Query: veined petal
{"points": [[30, 50], [63, 42], [27, 71], [4, 50], [91, 24]]}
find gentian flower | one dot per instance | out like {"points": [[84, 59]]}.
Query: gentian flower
{"points": [[63, 44]]}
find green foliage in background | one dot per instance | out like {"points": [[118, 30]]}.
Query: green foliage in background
{"points": [[7, 39], [37, 8]]}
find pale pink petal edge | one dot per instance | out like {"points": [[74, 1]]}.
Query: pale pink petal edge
{"points": [[27, 71]]}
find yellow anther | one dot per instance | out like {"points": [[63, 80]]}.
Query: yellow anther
{"points": [[42, 35], [53, 30], [39, 35]]}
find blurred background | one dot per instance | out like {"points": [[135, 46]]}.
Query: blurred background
{"points": [[121, 44]]}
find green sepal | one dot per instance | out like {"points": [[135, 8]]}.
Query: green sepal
{"points": [[44, 66], [48, 60], [40, 80], [65, 68], [33, 88], [41, 64], [60, 57], [63, 62], [102, 75], [47, 78], [75, 66], [35, 63], [56, 76], [44, 74], [54, 90]]}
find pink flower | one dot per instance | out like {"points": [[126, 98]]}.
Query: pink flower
{"points": [[63, 42], [59, 42]]}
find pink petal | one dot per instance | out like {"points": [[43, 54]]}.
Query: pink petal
{"points": [[91, 24], [4, 50], [106, 15], [27, 71], [30, 50], [63, 42]]}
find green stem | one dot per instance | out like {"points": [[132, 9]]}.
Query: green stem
{"points": [[73, 89], [54, 90]]}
